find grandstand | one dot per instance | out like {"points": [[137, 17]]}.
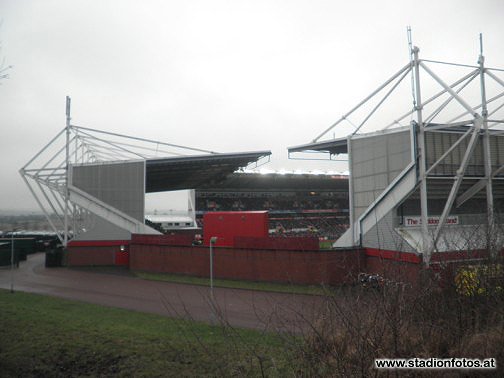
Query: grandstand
{"points": [[91, 184], [430, 181], [298, 204]]}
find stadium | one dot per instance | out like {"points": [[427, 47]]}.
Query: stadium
{"points": [[424, 188]]}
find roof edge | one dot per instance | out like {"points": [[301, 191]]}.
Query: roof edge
{"points": [[229, 155], [334, 146]]}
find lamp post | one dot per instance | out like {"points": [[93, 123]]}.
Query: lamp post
{"points": [[213, 239], [213, 312], [12, 262]]}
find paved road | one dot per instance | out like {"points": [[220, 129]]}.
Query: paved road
{"points": [[241, 308]]}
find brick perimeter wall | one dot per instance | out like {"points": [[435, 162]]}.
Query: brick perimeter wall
{"points": [[397, 271], [324, 267], [92, 256], [152, 254]]}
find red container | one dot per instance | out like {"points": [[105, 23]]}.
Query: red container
{"points": [[226, 225]]}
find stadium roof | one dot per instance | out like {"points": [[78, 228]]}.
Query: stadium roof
{"points": [[191, 172], [278, 183], [334, 147]]}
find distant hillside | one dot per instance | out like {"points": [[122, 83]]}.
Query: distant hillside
{"points": [[27, 222]]}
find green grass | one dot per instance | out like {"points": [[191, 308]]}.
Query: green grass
{"points": [[42, 336], [326, 244], [233, 284]]}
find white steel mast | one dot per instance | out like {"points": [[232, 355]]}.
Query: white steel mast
{"points": [[67, 166]]}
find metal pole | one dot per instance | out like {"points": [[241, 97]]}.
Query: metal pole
{"points": [[12, 262], [213, 313], [43, 149], [406, 67], [454, 94], [76, 127], [67, 159], [212, 241], [191, 206], [486, 141], [426, 102], [37, 199], [478, 122], [422, 161], [381, 101]]}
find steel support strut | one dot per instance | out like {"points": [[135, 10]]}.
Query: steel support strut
{"points": [[478, 122], [422, 157], [486, 143], [407, 67], [67, 164]]}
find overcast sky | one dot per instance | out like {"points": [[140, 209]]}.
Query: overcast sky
{"points": [[220, 75]]}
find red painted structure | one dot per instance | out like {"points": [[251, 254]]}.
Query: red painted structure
{"points": [[407, 267], [226, 225], [270, 265], [121, 258], [98, 252], [396, 265], [185, 239], [262, 259], [293, 243]]}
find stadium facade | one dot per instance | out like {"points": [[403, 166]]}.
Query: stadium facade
{"points": [[425, 187]]}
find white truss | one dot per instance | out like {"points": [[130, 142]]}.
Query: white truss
{"points": [[461, 102], [67, 208]]}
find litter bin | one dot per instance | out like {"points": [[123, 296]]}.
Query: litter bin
{"points": [[54, 257]]}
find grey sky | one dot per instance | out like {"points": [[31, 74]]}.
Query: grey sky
{"points": [[220, 75]]}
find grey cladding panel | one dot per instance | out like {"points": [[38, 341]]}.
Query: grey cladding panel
{"points": [[380, 165], [119, 185], [376, 161], [100, 229], [396, 161], [437, 143], [497, 150], [384, 236]]}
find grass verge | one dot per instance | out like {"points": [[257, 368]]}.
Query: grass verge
{"points": [[48, 337], [233, 284]]}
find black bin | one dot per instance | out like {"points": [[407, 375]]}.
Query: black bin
{"points": [[54, 258]]}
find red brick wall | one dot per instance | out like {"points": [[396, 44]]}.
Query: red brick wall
{"points": [[153, 254], [291, 243], [396, 266], [185, 238], [92, 255], [397, 271], [98, 252], [328, 267]]}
